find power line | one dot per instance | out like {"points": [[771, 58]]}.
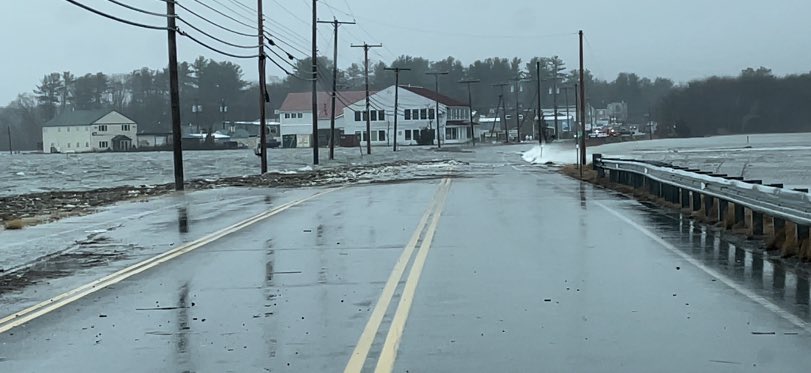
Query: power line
{"points": [[242, 15], [223, 14], [216, 38], [131, 23], [215, 49], [139, 10], [212, 22]]}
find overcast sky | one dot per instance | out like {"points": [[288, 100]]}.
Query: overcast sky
{"points": [[680, 39]]}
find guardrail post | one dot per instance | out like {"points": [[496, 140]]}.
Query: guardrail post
{"points": [[755, 223], [723, 210], [685, 198], [740, 214], [709, 203], [804, 241], [696, 203]]}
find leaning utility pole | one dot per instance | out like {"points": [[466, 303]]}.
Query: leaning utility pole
{"points": [[470, 104], [541, 130], [335, 23], [366, 48], [396, 98], [436, 75], [174, 94], [582, 107], [503, 100], [315, 84], [263, 143]]}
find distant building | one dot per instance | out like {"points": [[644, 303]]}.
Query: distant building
{"points": [[81, 131], [618, 111], [295, 114], [416, 112]]}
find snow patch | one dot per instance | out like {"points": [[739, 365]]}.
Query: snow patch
{"points": [[551, 153]]}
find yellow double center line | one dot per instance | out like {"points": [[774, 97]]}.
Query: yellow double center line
{"points": [[388, 354], [19, 318]]}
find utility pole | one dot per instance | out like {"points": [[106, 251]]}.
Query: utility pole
{"points": [[556, 91], [436, 75], [223, 111], [10, 149], [470, 104], [502, 100], [396, 98], [174, 93], [263, 95], [196, 109], [315, 84], [366, 48], [573, 129], [541, 130], [582, 107], [516, 89], [335, 23]]}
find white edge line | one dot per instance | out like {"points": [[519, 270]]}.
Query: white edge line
{"points": [[769, 305], [28, 314]]}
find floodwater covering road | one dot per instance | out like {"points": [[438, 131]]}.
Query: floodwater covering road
{"points": [[503, 267]]}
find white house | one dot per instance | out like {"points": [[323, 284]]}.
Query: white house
{"points": [[88, 131], [295, 114], [416, 115]]}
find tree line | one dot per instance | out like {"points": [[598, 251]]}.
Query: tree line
{"points": [[755, 101]]}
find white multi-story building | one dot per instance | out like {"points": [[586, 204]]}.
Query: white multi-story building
{"points": [[416, 116], [81, 131], [295, 114]]}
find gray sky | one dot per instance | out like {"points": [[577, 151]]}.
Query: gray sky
{"points": [[680, 39]]}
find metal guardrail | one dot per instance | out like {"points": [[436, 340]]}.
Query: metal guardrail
{"points": [[786, 204]]}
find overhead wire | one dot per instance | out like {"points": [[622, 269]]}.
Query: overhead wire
{"points": [[216, 38], [139, 10], [215, 10], [112, 17]]}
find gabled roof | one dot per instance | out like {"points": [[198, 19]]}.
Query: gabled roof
{"points": [[434, 96], [77, 118], [303, 101]]}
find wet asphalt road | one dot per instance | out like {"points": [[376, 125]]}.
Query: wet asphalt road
{"points": [[527, 271]]}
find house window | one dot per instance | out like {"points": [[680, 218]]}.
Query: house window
{"points": [[374, 135], [125, 127], [300, 115], [451, 133], [286, 115], [381, 135], [381, 115], [408, 114], [78, 145], [357, 116], [103, 144], [374, 115], [424, 114], [408, 135], [365, 136], [431, 114], [103, 128], [365, 116], [87, 145]]}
